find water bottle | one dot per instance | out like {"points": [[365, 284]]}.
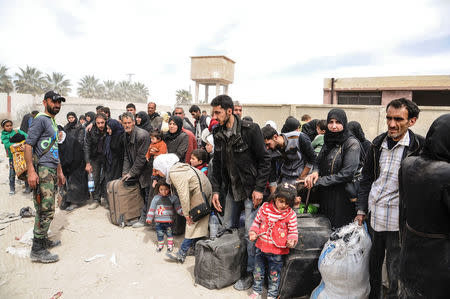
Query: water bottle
{"points": [[213, 226], [91, 185]]}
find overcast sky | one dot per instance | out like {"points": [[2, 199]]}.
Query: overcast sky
{"points": [[282, 49]]}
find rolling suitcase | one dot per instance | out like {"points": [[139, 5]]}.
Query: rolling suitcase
{"points": [[220, 262], [300, 274], [125, 202]]}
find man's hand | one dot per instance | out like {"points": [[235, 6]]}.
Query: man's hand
{"points": [[61, 179], [89, 127], [360, 218], [292, 243], [33, 179], [189, 220], [216, 203], [311, 179], [257, 198], [88, 167], [126, 177], [252, 236]]}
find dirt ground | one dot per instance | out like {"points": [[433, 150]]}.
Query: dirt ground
{"points": [[139, 271]]}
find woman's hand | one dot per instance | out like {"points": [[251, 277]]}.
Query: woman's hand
{"points": [[311, 179], [189, 220]]}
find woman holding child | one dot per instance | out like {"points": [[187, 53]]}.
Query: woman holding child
{"points": [[186, 180]]}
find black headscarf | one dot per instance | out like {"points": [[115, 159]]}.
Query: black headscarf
{"points": [[70, 125], [310, 129], [171, 136], [332, 139], [437, 142], [145, 121], [355, 128], [91, 115], [291, 124]]}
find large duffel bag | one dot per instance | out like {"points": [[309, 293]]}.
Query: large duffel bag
{"points": [[125, 202], [300, 274], [220, 262]]}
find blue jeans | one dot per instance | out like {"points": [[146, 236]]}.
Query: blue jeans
{"points": [[232, 213], [274, 263], [163, 229], [186, 244], [12, 176]]}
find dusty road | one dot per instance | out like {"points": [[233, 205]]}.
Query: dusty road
{"points": [[139, 272]]}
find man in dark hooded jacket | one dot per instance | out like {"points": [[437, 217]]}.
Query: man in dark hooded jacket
{"points": [[425, 217]]}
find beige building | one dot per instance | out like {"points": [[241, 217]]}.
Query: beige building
{"points": [[209, 71], [423, 90]]}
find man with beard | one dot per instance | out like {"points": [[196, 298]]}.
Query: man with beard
{"points": [[94, 155], [241, 168], [379, 191], [44, 175], [155, 119], [135, 166]]}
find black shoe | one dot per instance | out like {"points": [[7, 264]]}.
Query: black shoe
{"points": [[26, 191], [40, 254], [177, 257], [50, 244], [244, 283]]}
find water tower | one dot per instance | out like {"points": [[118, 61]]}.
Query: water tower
{"points": [[210, 71]]}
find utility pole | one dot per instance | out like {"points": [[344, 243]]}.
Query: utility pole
{"points": [[130, 76]]}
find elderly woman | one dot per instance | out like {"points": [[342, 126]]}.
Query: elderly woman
{"points": [[186, 180], [336, 166], [176, 140]]}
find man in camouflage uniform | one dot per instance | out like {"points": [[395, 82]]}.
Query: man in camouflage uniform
{"points": [[41, 149]]}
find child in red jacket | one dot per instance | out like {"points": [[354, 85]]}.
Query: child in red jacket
{"points": [[275, 229]]}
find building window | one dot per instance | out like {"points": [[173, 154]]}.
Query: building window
{"points": [[359, 98]]}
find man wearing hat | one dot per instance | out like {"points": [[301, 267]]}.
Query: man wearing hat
{"points": [[41, 147]]}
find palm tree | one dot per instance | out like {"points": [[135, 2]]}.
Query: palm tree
{"points": [[124, 91], [110, 93], [140, 92], [6, 84], [184, 97], [57, 83], [30, 81], [89, 87]]}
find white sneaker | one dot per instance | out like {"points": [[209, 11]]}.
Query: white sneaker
{"points": [[138, 224]]}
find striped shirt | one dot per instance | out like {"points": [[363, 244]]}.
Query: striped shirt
{"points": [[384, 197], [163, 209], [268, 216]]}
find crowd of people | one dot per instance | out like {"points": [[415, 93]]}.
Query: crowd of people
{"points": [[398, 184]]}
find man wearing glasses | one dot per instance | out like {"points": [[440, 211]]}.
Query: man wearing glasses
{"points": [[44, 172]]}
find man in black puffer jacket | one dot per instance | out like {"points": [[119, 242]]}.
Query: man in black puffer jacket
{"points": [[242, 167], [425, 217]]}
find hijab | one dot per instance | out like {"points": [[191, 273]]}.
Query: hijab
{"points": [[116, 127], [309, 129], [92, 116], [172, 136], [437, 142], [70, 125], [116, 130], [332, 139], [291, 124], [355, 128], [164, 163], [145, 121]]}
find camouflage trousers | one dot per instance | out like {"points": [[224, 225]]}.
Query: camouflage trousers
{"points": [[44, 201]]}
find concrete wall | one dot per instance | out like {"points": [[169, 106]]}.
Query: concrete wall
{"points": [[389, 95], [372, 118]]}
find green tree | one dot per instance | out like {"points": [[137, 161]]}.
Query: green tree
{"points": [[183, 96], [30, 81], [140, 92], [110, 92], [57, 83], [90, 87], [6, 84]]}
